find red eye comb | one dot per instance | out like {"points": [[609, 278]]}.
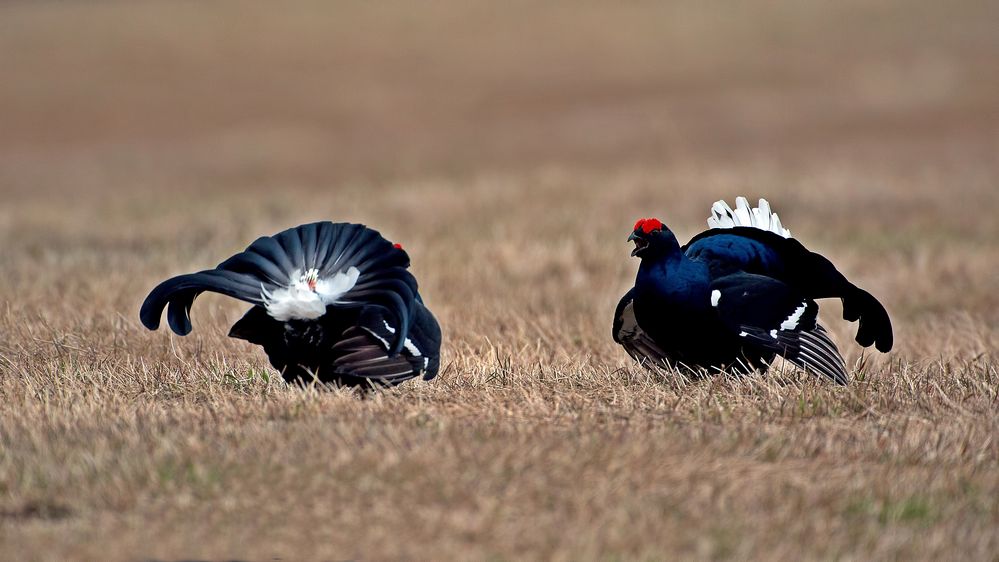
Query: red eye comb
{"points": [[397, 246], [648, 226]]}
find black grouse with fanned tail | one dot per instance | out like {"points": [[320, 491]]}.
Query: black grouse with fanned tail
{"points": [[333, 303], [738, 295]]}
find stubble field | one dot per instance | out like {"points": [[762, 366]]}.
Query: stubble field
{"points": [[510, 149]]}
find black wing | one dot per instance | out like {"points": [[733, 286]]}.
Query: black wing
{"points": [[812, 350], [752, 250], [771, 315], [421, 346], [632, 337], [350, 351], [270, 262]]}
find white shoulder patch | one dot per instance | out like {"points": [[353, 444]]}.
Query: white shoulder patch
{"points": [[715, 297], [411, 348], [762, 217], [792, 320]]}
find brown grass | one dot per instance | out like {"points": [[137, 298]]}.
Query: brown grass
{"points": [[509, 147]]}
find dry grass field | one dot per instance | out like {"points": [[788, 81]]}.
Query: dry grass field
{"points": [[510, 147]]}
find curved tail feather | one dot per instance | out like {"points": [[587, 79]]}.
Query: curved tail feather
{"points": [[875, 324], [179, 293], [314, 263], [821, 279]]}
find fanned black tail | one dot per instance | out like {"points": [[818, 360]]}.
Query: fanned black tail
{"points": [[270, 263]]}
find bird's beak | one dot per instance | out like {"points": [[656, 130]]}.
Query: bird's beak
{"points": [[640, 244]]}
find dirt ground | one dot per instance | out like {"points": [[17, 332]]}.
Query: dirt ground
{"points": [[510, 147]]}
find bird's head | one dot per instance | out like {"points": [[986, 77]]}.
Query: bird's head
{"points": [[652, 239]]}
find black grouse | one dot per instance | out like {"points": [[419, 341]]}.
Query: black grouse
{"points": [[332, 303], [738, 295]]}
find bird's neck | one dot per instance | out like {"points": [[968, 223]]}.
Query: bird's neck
{"points": [[674, 274], [662, 265]]}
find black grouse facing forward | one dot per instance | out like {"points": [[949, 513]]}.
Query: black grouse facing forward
{"points": [[738, 295], [333, 303]]}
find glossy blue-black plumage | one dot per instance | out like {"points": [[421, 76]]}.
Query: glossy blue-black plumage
{"points": [[378, 331], [735, 298]]}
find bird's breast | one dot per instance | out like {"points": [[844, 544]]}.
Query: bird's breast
{"points": [[304, 335]]}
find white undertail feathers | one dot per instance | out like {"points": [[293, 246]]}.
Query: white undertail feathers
{"points": [[308, 296], [723, 216]]}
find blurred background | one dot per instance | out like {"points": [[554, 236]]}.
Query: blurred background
{"points": [[131, 129], [509, 146], [193, 94]]}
